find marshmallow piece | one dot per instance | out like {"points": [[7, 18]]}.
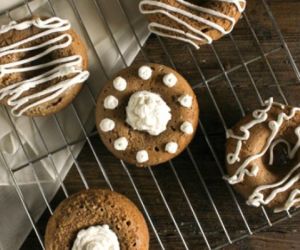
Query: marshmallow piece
{"points": [[171, 147], [186, 101], [145, 72], [111, 102], [187, 128], [107, 125], [170, 80], [120, 83], [142, 156], [121, 144]]}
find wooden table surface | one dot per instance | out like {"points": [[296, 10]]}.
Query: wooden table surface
{"points": [[202, 180]]}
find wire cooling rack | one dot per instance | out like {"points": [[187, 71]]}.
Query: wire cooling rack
{"points": [[186, 203]]}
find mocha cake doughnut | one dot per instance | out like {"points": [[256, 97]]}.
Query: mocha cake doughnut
{"points": [[43, 64], [97, 219], [147, 114], [193, 21], [258, 171]]}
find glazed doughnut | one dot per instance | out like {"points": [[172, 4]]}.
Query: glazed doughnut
{"points": [[43, 64], [252, 160], [193, 22]]}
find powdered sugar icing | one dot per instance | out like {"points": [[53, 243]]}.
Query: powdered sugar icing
{"points": [[95, 238]]}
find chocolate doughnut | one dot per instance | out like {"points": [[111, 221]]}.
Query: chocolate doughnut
{"points": [[258, 171], [193, 22]]}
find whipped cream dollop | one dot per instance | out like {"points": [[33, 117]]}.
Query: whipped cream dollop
{"points": [[95, 238], [147, 111]]}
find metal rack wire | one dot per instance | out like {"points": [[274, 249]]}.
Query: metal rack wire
{"points": [[205, 82]]}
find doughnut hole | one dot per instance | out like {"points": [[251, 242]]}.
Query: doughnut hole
{"points": [[280, 159]]}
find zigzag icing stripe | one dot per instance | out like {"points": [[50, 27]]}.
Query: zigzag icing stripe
{"points": [[62, 66], [258, 198], [193, 34]]}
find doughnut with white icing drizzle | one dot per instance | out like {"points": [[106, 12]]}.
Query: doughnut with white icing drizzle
{"points": [[48, 66], [191, 21], [251, 162]]}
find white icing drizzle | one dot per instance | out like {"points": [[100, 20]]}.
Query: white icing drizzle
{"points": [[259, 116], [258, 197], [193, 34], [292, 201], [62, 66]]}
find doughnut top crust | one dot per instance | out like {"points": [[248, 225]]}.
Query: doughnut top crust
{"points": [[43, 64], [193, 22], [96, 207], [151, 124], [252, 156]]}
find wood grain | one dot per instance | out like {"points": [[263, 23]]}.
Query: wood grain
{"points": [[215, 194]]}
